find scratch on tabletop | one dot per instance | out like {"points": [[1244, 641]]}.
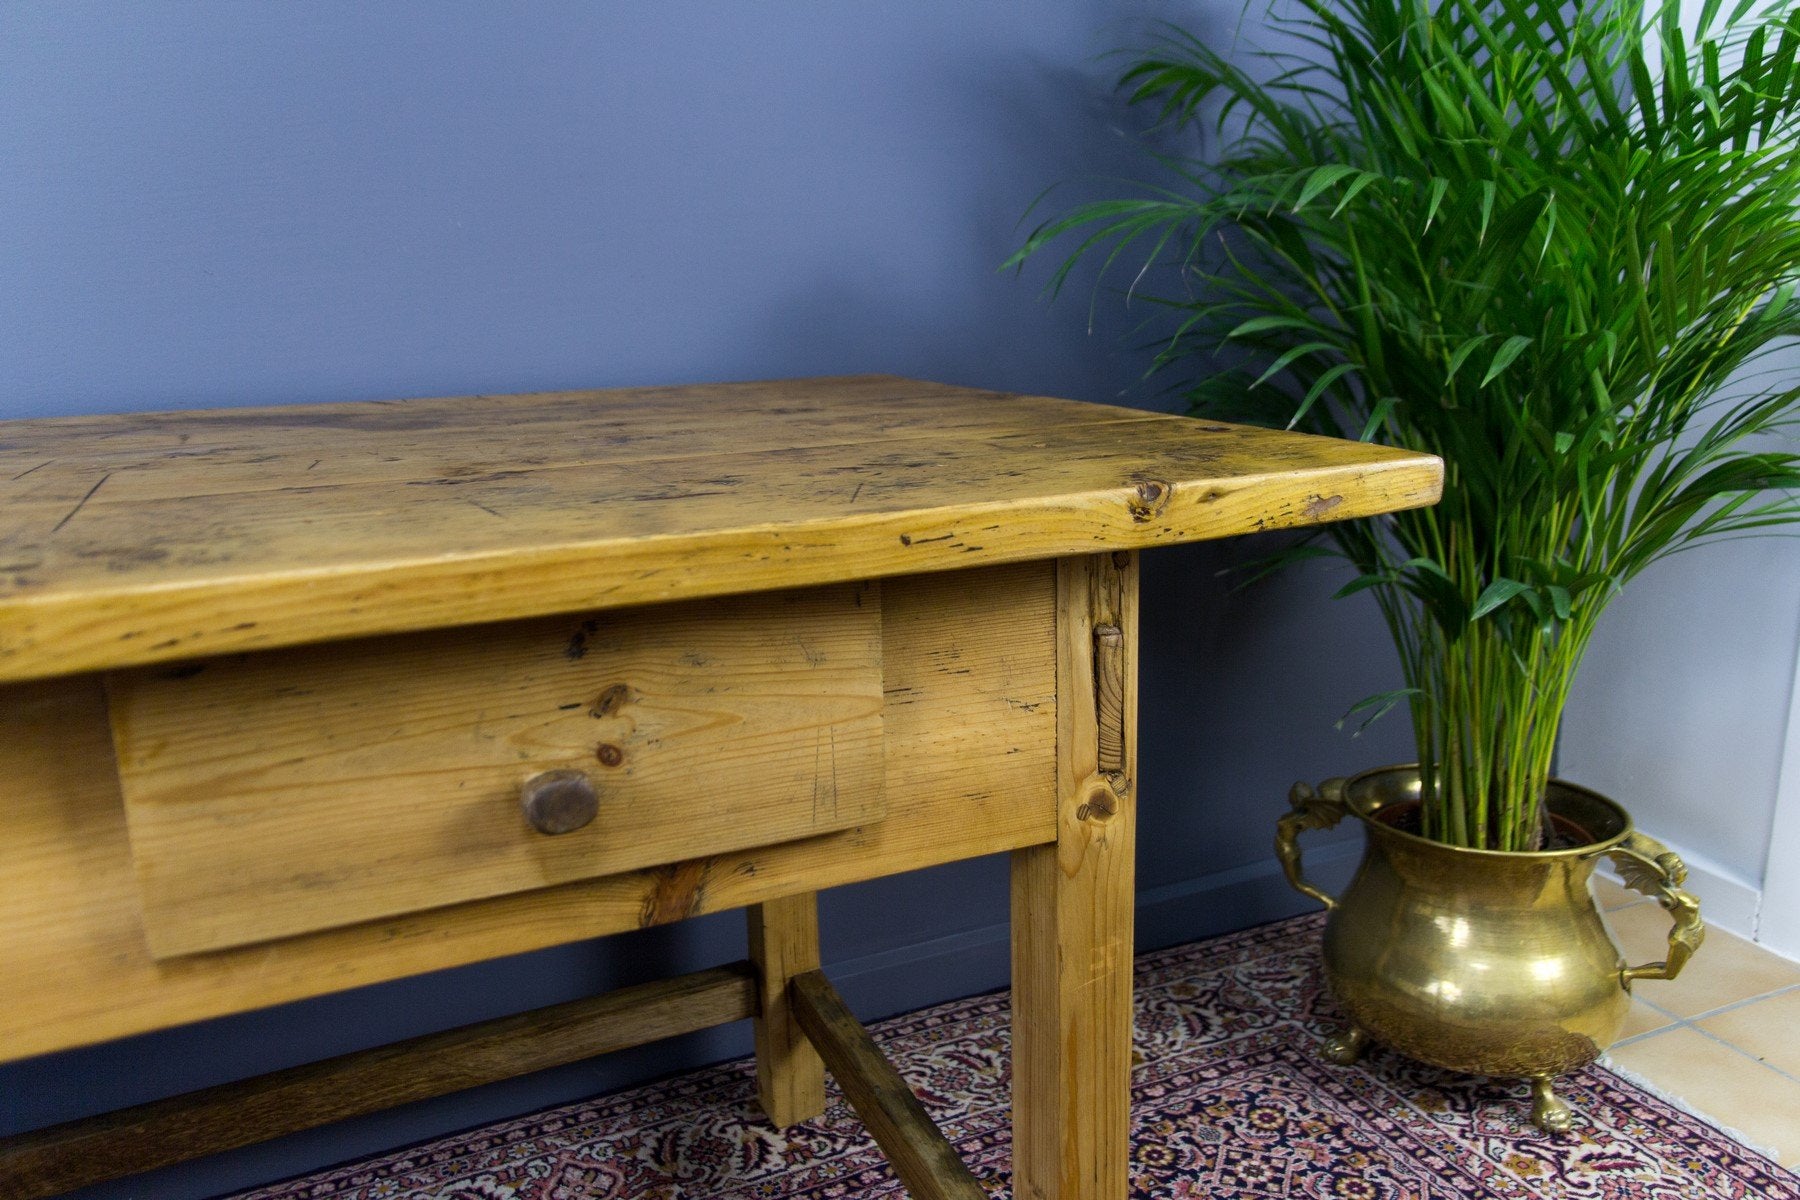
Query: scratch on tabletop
{"points": [[484, 508], [80, 503], [29, 470]]}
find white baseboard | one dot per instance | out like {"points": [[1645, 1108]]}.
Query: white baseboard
{"points": [[1778, 926]]}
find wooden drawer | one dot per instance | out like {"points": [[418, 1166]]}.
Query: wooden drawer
{"points": [[278, 793]]}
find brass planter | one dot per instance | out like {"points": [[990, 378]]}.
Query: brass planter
{"points": [[1490, 962]]}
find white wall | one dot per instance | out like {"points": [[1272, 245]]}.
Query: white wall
{"points": [[1778, 925], [1684, 713], [1688, 712]]}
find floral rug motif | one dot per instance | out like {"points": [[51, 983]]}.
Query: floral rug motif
{"points": [[1230, 1100]]}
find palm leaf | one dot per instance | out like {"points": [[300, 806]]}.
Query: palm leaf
{"points": [[1542, 240]]}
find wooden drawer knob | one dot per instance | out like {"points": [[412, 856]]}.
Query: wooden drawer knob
{"points": [[559, 801]]}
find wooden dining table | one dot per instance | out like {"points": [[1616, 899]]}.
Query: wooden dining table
{"points": [[295, 700]]}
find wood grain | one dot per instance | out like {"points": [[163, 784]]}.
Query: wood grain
{"points": [[62, 1158], [784, 942], [284, 792], [156, 537], [1072, 916], [915, 1147], [970, 687], [1109, 696]]}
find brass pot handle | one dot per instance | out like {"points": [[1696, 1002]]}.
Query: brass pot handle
{"points": [[1311, 809], [1648, 866]]}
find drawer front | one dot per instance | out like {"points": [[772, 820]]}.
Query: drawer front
{"points": [[279, 793]]}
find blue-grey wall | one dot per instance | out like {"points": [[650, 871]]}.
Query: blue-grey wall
{"points": [[227, 203]]}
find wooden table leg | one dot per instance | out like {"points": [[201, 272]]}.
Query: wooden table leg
{"points": [[784, 942], [1072, 908]]}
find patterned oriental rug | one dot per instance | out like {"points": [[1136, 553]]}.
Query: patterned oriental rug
{"points": [[1230, 1099]]}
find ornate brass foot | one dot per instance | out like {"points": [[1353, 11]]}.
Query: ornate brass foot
{"points": [[1347, 1047], [1548, 1112]]}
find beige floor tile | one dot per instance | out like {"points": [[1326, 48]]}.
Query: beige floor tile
{"points": [[1764, 1028], [1714, 1079], [1616, 895], [1643, 1019], [1726, 969]]}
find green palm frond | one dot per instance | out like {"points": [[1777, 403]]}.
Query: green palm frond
{"points": [[1543, 241]]}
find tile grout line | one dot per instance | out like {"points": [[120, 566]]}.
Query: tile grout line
{"points": [[1676, 1021], [1710, 1013], [1736, 1049], [1681, 1024], [1635, 1038]]}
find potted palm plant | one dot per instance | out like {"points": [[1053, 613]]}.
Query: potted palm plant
{"points": [[1546, 242]]}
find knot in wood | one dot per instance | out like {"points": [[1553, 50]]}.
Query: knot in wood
{"points": [[1099, 805], [1148, 499], [611, 700]]}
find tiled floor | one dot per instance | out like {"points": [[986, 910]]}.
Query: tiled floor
{"points": [[1724, 1037]]}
